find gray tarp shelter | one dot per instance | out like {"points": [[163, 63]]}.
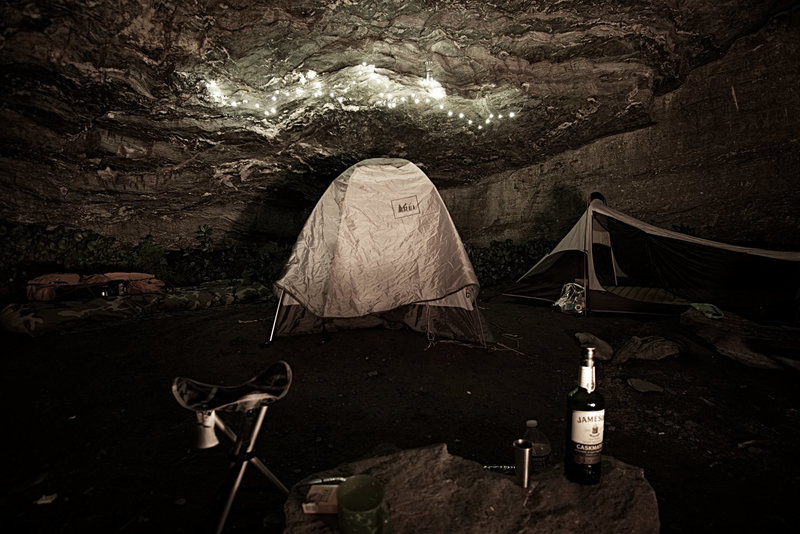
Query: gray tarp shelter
{"points": [[626, 265], [378, 249]]}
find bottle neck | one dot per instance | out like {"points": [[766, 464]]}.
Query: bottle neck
{"points": [[586, 378]]}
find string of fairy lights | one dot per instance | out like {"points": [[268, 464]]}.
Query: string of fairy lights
{"points": [[365, 85]]}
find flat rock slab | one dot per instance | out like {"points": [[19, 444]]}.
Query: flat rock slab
{"points": [[765, 346], [428, 490]]}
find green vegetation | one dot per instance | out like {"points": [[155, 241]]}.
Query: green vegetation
{"points": [[505, 261], [27, 251]]}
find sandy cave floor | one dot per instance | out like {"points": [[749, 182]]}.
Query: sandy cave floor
{"points": [[95, 442]]}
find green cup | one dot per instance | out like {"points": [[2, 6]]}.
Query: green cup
{"points": [[360, 502]]}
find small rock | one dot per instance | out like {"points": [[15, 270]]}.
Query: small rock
{"points": [[604, 350], [643, 386], [646, 348], [46, 499]]}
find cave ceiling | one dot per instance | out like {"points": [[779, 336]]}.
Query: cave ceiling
{"points": [[278, 97]]}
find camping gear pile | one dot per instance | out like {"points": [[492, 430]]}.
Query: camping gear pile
{"points": [[37, 318], [66, 286], [572, 299]]}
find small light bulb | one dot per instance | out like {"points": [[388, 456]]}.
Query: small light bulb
{"points": [[449, 113], [438, 93], [244, 101], [272, 110], [511, 114], [469, 121], [461, 116], [258, 105]]}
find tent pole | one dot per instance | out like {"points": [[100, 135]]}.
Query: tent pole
{"points": [[587, 246], [275, 320]]}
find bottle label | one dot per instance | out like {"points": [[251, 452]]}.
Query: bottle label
{"points": [[587, 436], [587, 427]]}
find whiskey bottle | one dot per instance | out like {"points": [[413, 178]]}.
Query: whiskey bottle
{"points": [[585, 411]]}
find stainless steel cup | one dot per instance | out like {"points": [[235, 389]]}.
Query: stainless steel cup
{"points": [[522, 460]]}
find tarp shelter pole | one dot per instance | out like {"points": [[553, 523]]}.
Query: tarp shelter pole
{"points": [[588, 260], [275, 320]]}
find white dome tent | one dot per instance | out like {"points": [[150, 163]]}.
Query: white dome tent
{"points": [[378, 249]]}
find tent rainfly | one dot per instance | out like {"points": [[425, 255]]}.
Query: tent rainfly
{"points": [[380, 249], [626, 265]]}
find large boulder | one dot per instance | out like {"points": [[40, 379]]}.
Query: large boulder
{"points": [[430, 490]]}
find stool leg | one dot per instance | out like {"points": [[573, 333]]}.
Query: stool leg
{"points": [[269, 474], [241, 459], [256, 461]]}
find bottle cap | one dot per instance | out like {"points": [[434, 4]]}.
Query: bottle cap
{"points": [[588, 353], [531, 423]]}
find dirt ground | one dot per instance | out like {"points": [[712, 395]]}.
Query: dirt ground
{"points": [[95, 442]]}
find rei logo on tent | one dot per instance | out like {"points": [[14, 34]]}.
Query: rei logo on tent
{"points": [[405, 207]]}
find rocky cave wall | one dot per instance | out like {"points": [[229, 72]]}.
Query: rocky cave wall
{"points": [[720, 160], [138, 118]]}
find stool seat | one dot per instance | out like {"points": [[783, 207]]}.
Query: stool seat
{"points": [[261, 390], [249, 402]]}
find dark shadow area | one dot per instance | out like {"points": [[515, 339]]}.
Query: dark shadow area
{"points": [[282, 209], [99, 444]]}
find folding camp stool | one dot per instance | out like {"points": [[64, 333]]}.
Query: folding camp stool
{"points": [[250, 400]]}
